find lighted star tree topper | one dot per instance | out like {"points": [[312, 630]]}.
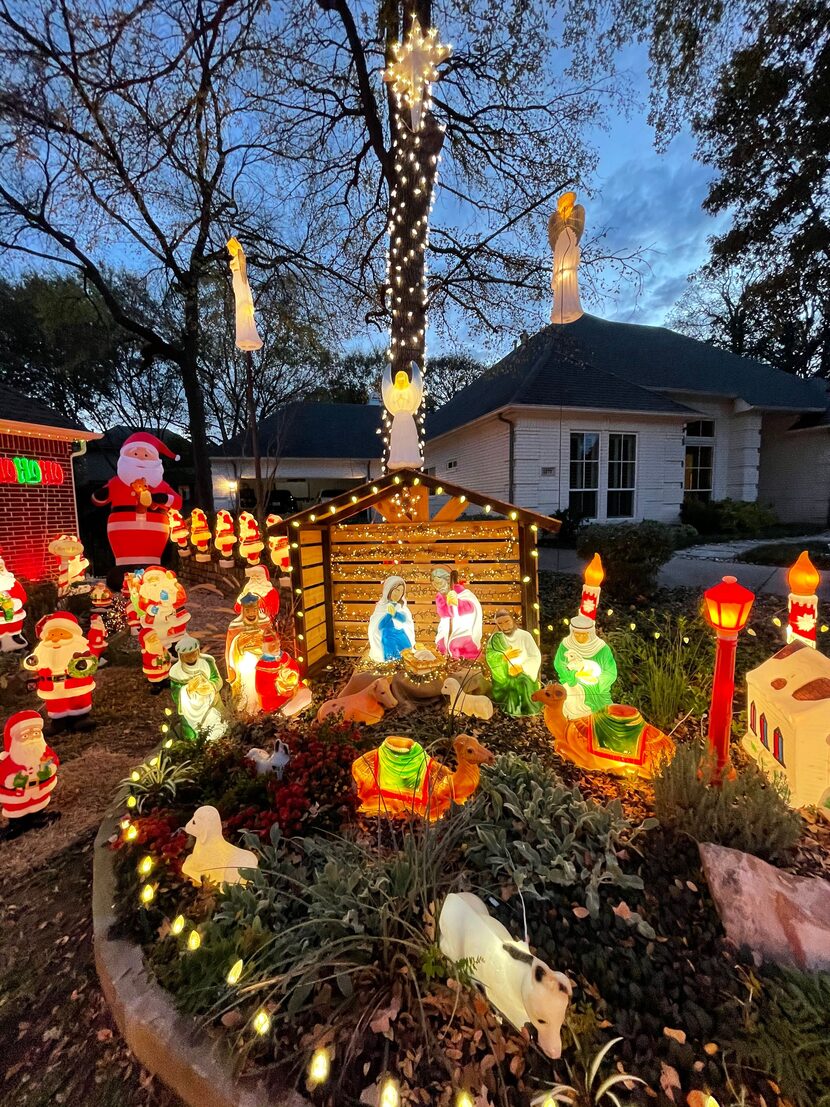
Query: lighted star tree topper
{"points": [[416, 144]]}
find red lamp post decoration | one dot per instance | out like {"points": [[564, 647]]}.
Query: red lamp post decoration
{"points": [[727, 608]]}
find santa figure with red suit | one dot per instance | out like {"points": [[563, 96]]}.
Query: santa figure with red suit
{"points": [[64, 665], [258, 582], [278, 546], [138, 527], [12, 610], [161, 609], [28, 767], [277, 679]]}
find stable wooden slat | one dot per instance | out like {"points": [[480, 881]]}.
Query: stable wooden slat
{"points": [[318, 654], [418, 592], [451, 510], [389, 511], [311, 536], [482, 572], [376, 534], [315, 635], [314, 617], [312, 596], [312, 574], [439, 552]]}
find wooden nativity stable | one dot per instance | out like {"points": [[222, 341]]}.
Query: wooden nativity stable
{"points": [[339, 560]]}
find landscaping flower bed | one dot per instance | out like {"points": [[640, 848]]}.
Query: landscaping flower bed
{"points": [[328, 959]]}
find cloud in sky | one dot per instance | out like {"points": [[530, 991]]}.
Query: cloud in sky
{"points": [[651, 201]]}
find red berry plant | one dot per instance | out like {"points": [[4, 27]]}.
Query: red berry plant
{"points": [[316, 792]]}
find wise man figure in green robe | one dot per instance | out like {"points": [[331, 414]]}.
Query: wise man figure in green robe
{"points": [[514, 661], [586, 667]]}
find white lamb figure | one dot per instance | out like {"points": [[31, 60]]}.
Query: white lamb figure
{"points": [[517, 984], [481, 707], [212, 856], [266, 762]]}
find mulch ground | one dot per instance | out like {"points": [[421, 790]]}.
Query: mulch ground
{"points": [[58, 1042]]}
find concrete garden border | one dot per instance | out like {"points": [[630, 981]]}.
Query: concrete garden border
{"points": [[167, 1043]]}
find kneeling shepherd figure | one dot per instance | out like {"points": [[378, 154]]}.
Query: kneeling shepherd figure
{"points": [[514, 661]]}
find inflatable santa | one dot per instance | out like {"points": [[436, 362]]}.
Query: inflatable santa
{"points": [[12, 610], [138, 527], [28, 767], [63, 665]]}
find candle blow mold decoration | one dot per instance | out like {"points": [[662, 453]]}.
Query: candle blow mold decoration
{"points": [[802, 602]]}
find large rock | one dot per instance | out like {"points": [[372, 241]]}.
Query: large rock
{"points": [[781, 917]]}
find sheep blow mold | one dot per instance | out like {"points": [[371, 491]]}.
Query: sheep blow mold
{"points": [[212, 857]]}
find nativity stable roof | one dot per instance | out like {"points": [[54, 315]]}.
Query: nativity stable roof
{"points": [[315, 430], [595, 363], [20, 414], [375, 492]]}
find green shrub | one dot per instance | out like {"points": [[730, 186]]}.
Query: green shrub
{"points": [[631, 553], [787, 1033], [665, 668], [533, 831], [747, 812], [729, 518]]}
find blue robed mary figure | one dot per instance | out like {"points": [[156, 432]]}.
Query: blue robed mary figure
{"points": [[391, 627]]}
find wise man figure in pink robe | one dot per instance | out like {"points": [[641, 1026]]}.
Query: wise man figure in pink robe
{"points": [[459, 616]]}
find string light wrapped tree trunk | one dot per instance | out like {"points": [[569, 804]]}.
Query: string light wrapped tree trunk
{"points": [[411, 169]]}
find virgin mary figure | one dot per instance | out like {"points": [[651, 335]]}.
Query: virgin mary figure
{"points": [[391, 627]]}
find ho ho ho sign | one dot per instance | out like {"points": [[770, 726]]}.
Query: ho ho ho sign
{"points": [[29, 471]]}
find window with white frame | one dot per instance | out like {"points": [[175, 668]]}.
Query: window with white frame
{"points": [[698, 478], [452, 463], [584, 474], [622, 466]]}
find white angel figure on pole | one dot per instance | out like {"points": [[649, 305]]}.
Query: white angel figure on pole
{"points": [[247, 336], [402, 398], [565, 229]]}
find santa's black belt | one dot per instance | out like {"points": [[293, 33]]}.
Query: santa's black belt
{"points": [[121, 510]]}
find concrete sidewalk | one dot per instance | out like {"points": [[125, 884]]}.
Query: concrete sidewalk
{"points": [[689, 569]]}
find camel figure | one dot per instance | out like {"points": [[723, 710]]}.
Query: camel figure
{"points": [[616, 739], [399, 778]]}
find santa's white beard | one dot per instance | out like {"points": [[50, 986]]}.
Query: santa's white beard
{"points": [[27, 754], [56, 658], [133, 468], [6, 581]]}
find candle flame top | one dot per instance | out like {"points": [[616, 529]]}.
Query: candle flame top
{"points": [[594, 573], [803, 578]]}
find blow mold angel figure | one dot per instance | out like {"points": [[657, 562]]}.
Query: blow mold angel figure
{"points": [[402, 398], [391, 627], [586, 667], [459, 616]]}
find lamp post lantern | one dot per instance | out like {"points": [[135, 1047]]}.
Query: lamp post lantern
{"points": [[727, 608]]}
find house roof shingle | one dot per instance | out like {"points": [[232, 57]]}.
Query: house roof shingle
{"points": [[544, 372], [315, 430], [596, 363], [20, 408]]}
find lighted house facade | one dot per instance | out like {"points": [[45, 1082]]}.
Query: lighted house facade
{"points": [[788, 714], [37, 482], [622, 422]]}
